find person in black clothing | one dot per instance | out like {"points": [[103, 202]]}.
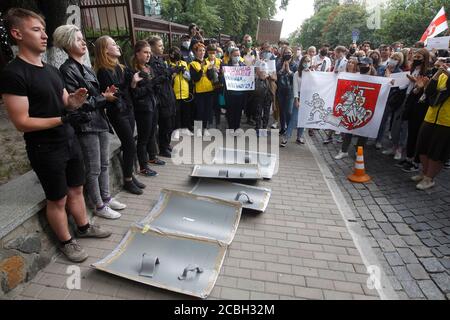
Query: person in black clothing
{"points": [[36, 101], [112, 76], [145, 108], [235, 99], [165, 96], [93, 136]]}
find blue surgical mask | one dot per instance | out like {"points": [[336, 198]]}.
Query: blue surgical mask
{"points": [[235, 60]]}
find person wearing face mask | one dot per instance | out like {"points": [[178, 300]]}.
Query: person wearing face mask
{"points": [[304, 66], [363, 66], [285, 73], [395, 93], [181, 77], [321, 62], [186, 53], [202, 75], [397, 46], [216, 66], [433, 144], [400, 125], [415, 111], [231, 45], [375, 56], [263, 95], [235, 99]]}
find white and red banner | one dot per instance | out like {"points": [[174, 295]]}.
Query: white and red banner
{"points": [[436, 26], [344, 102]]}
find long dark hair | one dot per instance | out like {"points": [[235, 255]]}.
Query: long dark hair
{"points": [[141, 44], [426, 61], [301, 68]]}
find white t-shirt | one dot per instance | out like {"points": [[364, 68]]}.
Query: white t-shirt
{"points": [[297, 85], [341, 65], [325, 63]]}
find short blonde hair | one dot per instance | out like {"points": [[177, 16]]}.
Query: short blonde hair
{"points": [[65, 37], [399, 56]]}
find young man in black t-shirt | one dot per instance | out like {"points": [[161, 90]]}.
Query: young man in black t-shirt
{"points": [[37, 104]]}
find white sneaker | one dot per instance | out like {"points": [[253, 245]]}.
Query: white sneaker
{"points": [[107, 213], [176, 135], [115, 205], [341, 155], [206, 133], [378, 145], [388, 152], [274, 125], [418, 178], [425, 184], [187, 132], [398, 155], [199, 133]]}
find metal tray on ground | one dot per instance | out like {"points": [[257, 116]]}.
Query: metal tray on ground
{"points": [[254, 198], [181, 264], [187, 214], [267, 162], [227, 171]]}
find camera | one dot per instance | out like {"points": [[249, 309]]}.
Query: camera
{"points": [[143, 74]]}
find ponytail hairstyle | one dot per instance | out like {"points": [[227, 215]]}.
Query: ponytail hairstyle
{"points": [[140, 44]]}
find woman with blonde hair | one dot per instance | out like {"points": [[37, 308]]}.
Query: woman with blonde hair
{"points": [[113, 76], [93, 136]]}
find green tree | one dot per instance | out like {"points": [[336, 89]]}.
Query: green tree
{"points": [[407, 20]]}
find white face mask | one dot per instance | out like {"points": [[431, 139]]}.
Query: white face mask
{"points": [[392, 62], [235, 60], [186, 44]]}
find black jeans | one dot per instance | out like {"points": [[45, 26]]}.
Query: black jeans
{"points": [[204, 107], [146, 123], [166, 125], [184, 115], [123, 124], [235, 104], [348, 139]]}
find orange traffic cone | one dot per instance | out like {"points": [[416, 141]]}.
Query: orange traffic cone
{"points": [[359, 175]]}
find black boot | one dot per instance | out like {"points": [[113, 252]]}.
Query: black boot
{"points": [[137, 183], [132, 188]]}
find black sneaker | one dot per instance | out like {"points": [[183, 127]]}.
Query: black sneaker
{"points": [[165, 154], [327, 140], [138, 184], [402, 163], [148, 172], [447, 165], [157, 162], [132, 188], [410, 167]]}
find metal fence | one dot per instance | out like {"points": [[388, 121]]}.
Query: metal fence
{"points": [[119, 19]]}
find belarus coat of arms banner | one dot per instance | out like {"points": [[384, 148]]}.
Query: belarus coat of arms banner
{"points": [[344, 102]]}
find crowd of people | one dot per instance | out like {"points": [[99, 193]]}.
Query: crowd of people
{"points": [[68, 114]]}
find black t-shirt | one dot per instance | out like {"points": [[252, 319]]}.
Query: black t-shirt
{"points": [[44, 88]]}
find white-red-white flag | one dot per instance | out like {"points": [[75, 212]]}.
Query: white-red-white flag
{"points": [[436, 26]]}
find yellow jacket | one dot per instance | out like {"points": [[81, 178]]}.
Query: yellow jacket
{"points": [[204, 84], [180, 84], [440, 114]]}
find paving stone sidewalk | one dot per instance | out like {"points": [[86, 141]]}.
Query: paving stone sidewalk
{"points": [[408, 229], [299, 248]]}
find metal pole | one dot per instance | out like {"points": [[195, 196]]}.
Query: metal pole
{"points": [[131, 22]]}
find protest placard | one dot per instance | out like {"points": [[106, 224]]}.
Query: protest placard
{"points": [[239, 78]]}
